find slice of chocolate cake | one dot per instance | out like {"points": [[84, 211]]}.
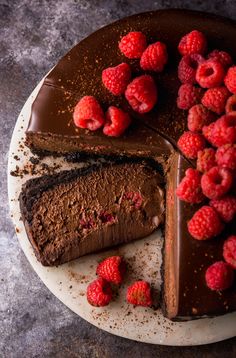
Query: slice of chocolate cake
{"points": [[77, 212]]}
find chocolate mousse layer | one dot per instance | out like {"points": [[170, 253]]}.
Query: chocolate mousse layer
{"points": [[77, 212], [185, 294]]}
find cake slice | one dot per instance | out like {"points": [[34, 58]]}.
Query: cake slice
{"points": [[81, 211]]}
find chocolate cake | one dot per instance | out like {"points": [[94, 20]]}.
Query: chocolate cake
{"points": [[153, 135], [76, 212]]}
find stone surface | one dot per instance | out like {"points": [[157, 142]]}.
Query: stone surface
{"points": [[34, 34]]}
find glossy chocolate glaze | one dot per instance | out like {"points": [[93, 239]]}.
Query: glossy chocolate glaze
{"points": [[186, 259], [78, 74]]}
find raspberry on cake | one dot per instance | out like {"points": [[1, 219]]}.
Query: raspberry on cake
{"points": [[221, 132], [225, 207], [116, 79], [188, 96], [112, 269], [188, 67], [133, 44], [229, 251], [219, 276], [231, 104], [99, 293], [88, 114], [189, 189], [222, 56], [206, 159], [216, 182], [141, 94], [139, 294], [199, 116], [215, 99], [190, 143], [116, 122], [154, 57], [226, 156], [193, 42], [230, 79], [205, 224], [210, 73]]}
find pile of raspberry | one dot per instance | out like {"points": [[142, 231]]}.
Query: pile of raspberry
{"points": [[111, 273], [140, 92], [208, 92]]}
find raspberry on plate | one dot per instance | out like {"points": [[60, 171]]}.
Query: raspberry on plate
{"points": [[226, 156], [141, 94], [154, 57], [199, 116], [193, 42], [225, 207], [216, 182], [188, 96], [99, 293], [229, 251], [230, 79], [116, 122], [219, 276], [210, 73], [189, 189], [222, 56], [190, 143], [206, 159], [117, 78], [231, 104], [133, 44], [88, 114], [215, 99], [139, 294], [205, 224], [221, 132], [112, 269], [188, 67]]}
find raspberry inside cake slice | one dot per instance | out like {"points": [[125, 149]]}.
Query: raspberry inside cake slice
{"points": [[77, 212]]}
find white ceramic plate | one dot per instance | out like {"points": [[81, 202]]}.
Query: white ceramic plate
{"points": [[69, 281]]}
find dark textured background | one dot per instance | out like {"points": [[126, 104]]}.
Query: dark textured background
{"points": [[33, 323]]}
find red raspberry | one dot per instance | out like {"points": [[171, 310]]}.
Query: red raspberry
{"points": [[133, 44], [219, 276], [210, 74], [189, 189], [188, 67], [193, 42], [188, 96], [154, 57], [88, 114], [205, 224], [231, 104], [206, 159], [116, 79], [216, 182], [221, 132], [141, 94], [116, 122], [230, 79], [225, 207], [139, 294], [112, 269], [199, 116], [190, 143], [99, 293], [223, 57], [215, 99], [229, 251], [226, 156]]}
